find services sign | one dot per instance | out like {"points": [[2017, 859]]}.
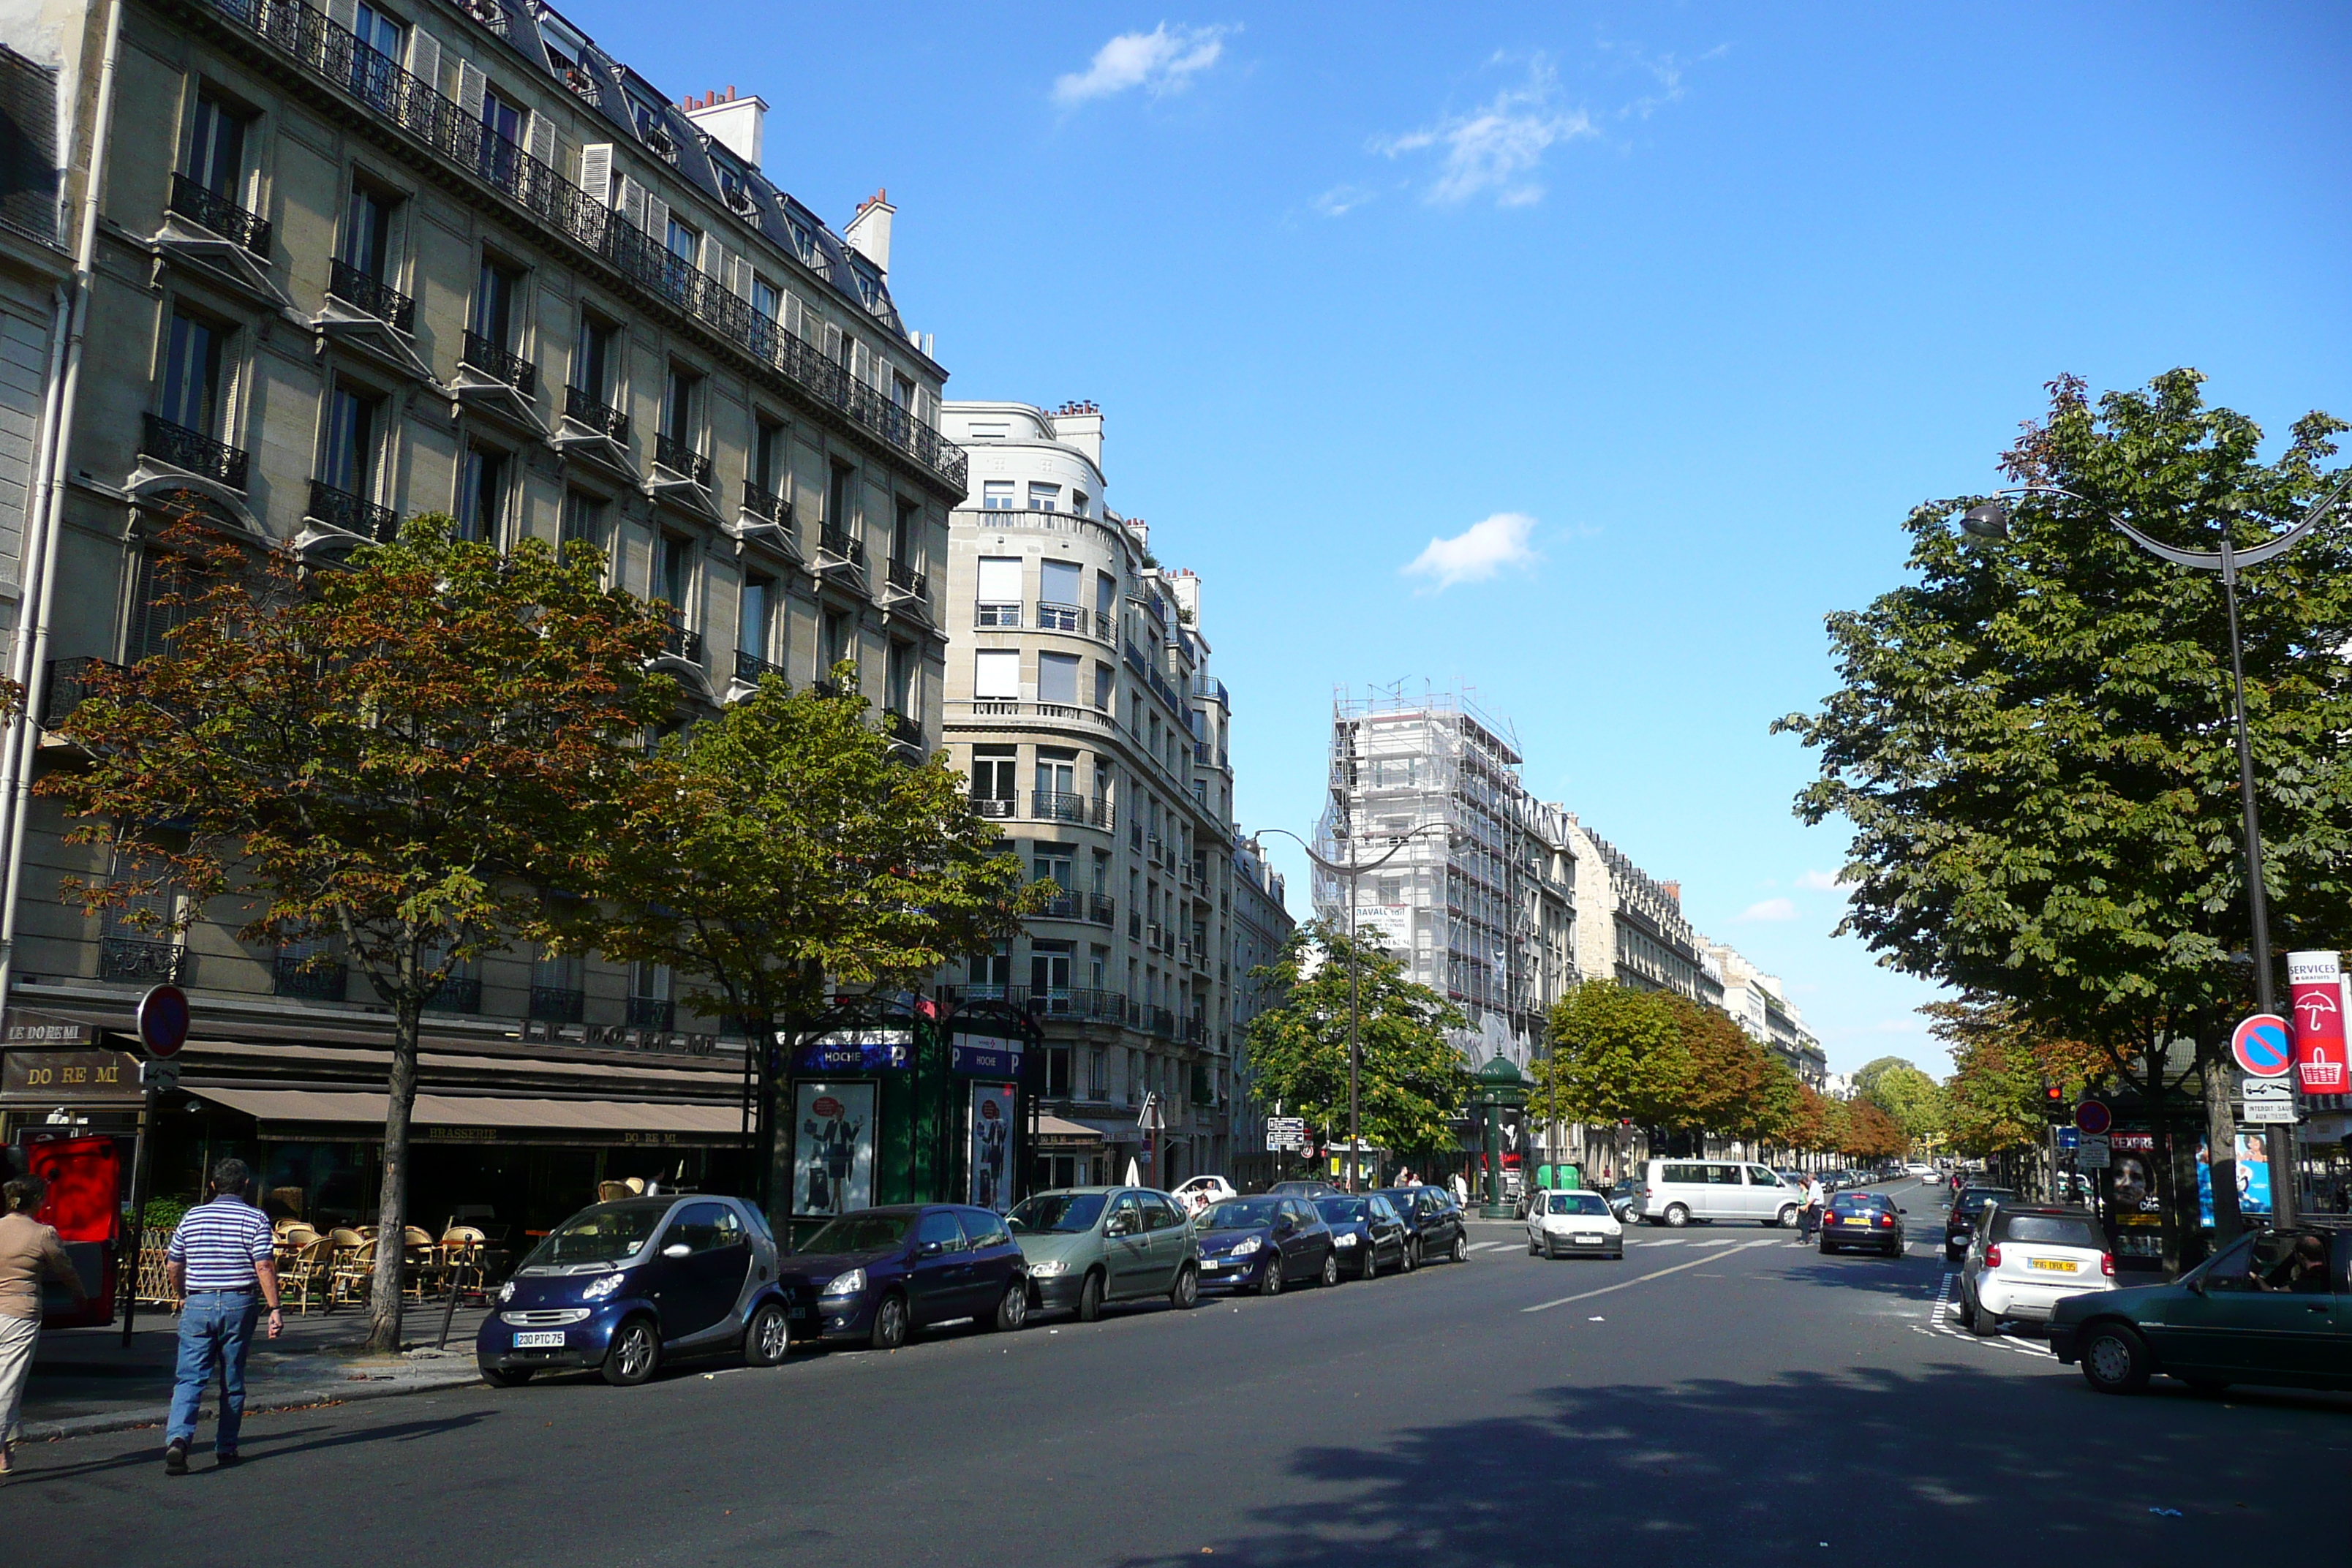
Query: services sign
{"points": [[2316, 982]]}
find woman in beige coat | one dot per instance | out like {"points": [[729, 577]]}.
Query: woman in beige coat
{"points": [[29, 1249]]}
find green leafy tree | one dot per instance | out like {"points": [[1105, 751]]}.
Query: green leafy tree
{"points": [[1615, 1055], [393, 760], [1411, 1084], [2031, 740], [1999, 1063], [1913, 1099]]}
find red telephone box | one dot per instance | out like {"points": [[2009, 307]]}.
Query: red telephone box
{"points": [[84, 1199]]}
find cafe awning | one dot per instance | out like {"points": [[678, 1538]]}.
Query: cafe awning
{"points": [[287, 1113], [1113, 1132]]}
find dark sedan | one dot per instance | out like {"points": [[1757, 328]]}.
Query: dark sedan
{"points": [[1866, 1220], [1960, 1224], [878, 1275], [1433, 1222], [1303, 1189], [1366, 1231], [1265, 1242]]}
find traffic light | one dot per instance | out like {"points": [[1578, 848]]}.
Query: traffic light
{"points": [[2054, 1102]]}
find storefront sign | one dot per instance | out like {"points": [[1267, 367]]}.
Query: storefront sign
{"points": [[832, 1147], [2317, 981], [69, 1077], [855, 1050], [22, 1028], [984, 1056], [992, 1146]]}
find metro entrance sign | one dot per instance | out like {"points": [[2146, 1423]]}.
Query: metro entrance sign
{"points": [[2263, 1046]]}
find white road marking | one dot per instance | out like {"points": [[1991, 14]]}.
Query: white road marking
{"points": [[1483, 1246], [1938, 1322], [1640, 1278]]}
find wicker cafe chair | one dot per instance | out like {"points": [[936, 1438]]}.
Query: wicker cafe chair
{"points": [[309, 1271], [420, 1262], [354, 1271]]}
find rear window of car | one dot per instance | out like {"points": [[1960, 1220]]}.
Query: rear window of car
{"points": [[2053, 1230], [1848, 1203], [1974, 1198]]}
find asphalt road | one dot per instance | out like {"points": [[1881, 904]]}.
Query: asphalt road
{"points": [[1721, 1397]]}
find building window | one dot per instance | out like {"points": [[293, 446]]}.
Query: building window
{"points": [[992, 971], [838, 646], [999, 602], [481, 495], [1058, 864], [1078, 503], [1057, 776], [217, 149], [1057, 679], [992, 770], [494, 305], [836, 496], [1044, 497], [905, 531], [192, 376], [768, 458], [583, 520], [996, 495], [367, 232], [767, 301], [380, 43], [675, 584], [679, 398], [752, 626], [902, 390], [1049, 971], [353, 423], [1105, 681], [594, 361], [1057, 584], [996, 675], [501, 151], [901, 696]]}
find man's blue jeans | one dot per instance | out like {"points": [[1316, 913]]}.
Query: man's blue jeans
{"points": [[215, 1326]]}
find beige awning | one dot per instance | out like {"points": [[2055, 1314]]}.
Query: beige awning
{"points": [[1059, 1127], [459, 1112]]}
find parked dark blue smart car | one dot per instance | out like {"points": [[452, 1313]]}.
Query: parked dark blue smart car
{"points": [[621, 1287], [1265, 1242], [878, 1274]]}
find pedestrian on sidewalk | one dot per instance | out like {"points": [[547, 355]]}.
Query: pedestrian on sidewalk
{"points": [[221, 1256], [29, 1249], [1810, 1221]]}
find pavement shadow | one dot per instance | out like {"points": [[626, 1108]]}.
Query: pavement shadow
{"points": [[258, 1445], [1868, 1468]]}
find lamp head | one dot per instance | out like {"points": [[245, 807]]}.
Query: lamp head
{"points": [[1986, 520]]}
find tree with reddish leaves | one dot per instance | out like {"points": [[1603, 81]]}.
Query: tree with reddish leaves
{"points": [[404, 759]]}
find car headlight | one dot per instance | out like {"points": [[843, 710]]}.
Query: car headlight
{"points": [[848, 1284], [1043, 1267], [1244, 1247], [1345, 1238], [598, 1288], [506, 1292]]}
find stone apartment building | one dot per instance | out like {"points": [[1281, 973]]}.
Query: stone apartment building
{"points": [[1262, 924], [1080, 704], [353, 262]]}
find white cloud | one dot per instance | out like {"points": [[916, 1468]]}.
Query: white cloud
{"points": [[1163, 60], [1770, 910], [1821, 882], [1477, 552], [1499, 146], [1342, 199]]}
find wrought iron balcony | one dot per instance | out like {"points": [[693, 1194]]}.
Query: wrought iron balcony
{"points": [[904, 728], [313, 981], [680, 459], [678, 640], [751, 667], [1102, 626], [1160, 1021], [193, 450], [595, 414], [1064, 906], [907, 580], [67, 687], [377, 297], [989, 805], [1066, 806], [1002, 616], [142, 961], [652, 1013], [220, 215], [1060, 617], [1100, 910], [766, 505], [1195, 1032], [839, 543], [491, 360], [457, 994], [558, 1003], [340, 508]]}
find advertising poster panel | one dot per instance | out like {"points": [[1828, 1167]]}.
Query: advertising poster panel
{"points": [[992, 1146], [2254, 1177], [2315, 981], [832, 1152]]}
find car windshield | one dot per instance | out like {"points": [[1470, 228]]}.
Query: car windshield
{"points": [[860, 1233], [1578, 1202], [2056, 1230], [1057, 1213], [1240, 1214], [1340, 1211], [1974, 1198], [605, 1233]]}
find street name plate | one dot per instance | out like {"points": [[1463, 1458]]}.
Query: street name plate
{"points": [[2268, 1101], [2091, 1154]]}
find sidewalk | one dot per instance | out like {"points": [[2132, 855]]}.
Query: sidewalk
{"points": [[86, 1381]]}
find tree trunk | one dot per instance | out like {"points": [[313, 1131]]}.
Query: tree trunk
{"points": [[392, 1211], [2221, 1142]]}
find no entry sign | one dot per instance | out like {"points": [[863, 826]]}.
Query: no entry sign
{"points": [[2261, 1045]]}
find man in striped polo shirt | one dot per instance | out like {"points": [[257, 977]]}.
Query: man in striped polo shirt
{"points": [[220, 1258]]}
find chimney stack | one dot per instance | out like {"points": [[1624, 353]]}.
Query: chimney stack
{"points": [[869, 232], [738, 124]]}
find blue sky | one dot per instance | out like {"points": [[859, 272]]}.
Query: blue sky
{"points": [[1640, 328]]}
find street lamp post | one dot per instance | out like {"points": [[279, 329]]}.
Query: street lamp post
{"points": [[1351, 872], [1990, 519]]}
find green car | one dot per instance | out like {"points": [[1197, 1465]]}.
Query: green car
{"points": [[1089, 1246], [2274, 1306]]}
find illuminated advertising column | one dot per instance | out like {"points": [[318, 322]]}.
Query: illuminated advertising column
{"points": [[2315, 981]]}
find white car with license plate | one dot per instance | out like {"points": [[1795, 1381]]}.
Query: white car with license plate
{"points": [[1573, 1225], [2021, 1262]]}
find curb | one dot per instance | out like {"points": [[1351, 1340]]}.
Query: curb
{"points": [[335, 1393]]}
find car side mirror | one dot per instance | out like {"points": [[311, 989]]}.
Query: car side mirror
{"points": [[677, 1249], [2197, 1285], [930, 1249], [1121, 1225]]}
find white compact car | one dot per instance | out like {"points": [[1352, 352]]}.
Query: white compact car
{"points": [[1196, 1193], [1573, 1225], [1919, 1170], [2021, 1262]]}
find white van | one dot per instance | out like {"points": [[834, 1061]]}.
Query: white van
{"points": [[1676, 1192]]}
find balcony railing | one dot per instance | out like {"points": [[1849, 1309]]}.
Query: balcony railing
{"points": [[904, 728], [678, 640], [1064, 906], [193, 450], [1103, 625], [1064, 806], [1060, 617], [595, 414], [340, 508], [220, 215], [457, 994], [907, 580], [558, 1003], [142, 961], [1056, 1001], [751, 667], [67, 687], [313, 981], [839, 543], [1195, 1032], [511, 368], [652, 1013], [993, 806], [766, 505], [1160, 1021], [556, 205], [377, 297], [1002, 616], [682, 460]]}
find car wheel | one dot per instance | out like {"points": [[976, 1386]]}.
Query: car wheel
{"points": [[1827, 1250], [635, 1351], [1460, 1253], [1983, 1324], [1618, 1256], [1090, 1295], [1551, 1253], [1330, 1276], [1412, 1257], [497, 1379], [1786, 1217], [1677, 1217], [1967, 1311], [2115, 1360], [1370, 1268], [768, 1338], [1187, 1289], [889, 1323], [1532, 1247], [1269, 1276], [1013, 1310]]}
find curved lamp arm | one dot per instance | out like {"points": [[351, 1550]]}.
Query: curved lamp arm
{"points": [[1337, 869], [1995, 517]]}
